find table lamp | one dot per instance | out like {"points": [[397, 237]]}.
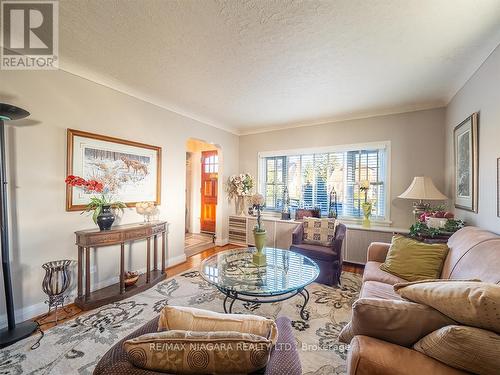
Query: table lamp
{"points": [[422, 189], [13, 332]]}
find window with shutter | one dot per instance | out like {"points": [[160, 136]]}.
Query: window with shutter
{"points": [[311, 176]]}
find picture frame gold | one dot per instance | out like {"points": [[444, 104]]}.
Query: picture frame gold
{"points": [[154, 151]]}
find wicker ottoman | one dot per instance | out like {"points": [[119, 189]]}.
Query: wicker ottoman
{"points": [[284, 358]]}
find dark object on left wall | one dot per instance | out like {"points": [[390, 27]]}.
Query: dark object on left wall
{"points": [[13, 332]]}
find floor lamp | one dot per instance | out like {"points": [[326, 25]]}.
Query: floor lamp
{"points": [[13, 332]]}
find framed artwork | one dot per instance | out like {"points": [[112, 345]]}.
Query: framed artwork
{"points": [[498, 187], [131, 171], [466, 163]]}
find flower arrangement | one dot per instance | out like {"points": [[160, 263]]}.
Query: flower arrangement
{"points": [[239, 185], [257, 201], [97, 203], [364, 186], [259, 232]]}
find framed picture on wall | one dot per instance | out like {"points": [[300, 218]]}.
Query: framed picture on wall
{"points": [[130, 171], [466, 163]]}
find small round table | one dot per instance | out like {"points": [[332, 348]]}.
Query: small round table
{"points": [[285, 275]]}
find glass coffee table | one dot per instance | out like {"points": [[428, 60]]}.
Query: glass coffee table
{"points": [[285, 276]]}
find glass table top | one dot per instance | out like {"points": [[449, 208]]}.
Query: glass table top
{"points": [[285, 272]]}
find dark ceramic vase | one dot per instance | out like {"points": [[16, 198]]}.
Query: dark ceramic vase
{"points": [[106, 218]]}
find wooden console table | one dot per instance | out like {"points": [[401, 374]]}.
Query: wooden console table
{"points": [[119, 235]]}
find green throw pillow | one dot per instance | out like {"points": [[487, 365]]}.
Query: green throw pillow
{"points": [[413, 260]]}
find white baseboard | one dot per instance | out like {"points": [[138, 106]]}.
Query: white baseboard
{"points": [[176, 260], [40, 308], [221, 242]]}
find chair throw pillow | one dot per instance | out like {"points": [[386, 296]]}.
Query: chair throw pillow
{"points": [[466, 348], [189, 352], [319, 231], [399, 322], [472, 303], [192, 319], [413, 260]]}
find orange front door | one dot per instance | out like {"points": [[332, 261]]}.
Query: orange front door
{"points": [[209, 173]]}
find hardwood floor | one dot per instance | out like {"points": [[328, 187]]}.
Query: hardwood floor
{"points": [[73, 311]]}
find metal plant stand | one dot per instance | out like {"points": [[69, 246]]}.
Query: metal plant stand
{"points": [[55, 283]]}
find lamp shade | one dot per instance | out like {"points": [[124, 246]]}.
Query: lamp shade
{"points": [[422, 188], [9, 112]]}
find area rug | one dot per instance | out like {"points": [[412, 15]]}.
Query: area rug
{"points": [[76, 346]]}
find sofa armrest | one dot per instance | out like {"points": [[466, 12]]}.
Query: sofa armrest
{"points": [[377, 252], [370, 356], [298, 234]]}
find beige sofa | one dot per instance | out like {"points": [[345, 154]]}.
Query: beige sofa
{"points": [[474, 254]]}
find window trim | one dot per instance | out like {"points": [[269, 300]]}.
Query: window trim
{"points": [[386, 145]]}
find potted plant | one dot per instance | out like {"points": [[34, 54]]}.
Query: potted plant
{"points": [[102, 206], [238, 187], [259, 232], [367, 206]]}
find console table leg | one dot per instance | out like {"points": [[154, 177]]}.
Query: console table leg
{"points": [[148, 261], [163, 251], [80, 272], [122, 268], [155, 253], [87, 273]]}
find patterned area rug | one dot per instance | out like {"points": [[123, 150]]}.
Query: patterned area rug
{"points": [[76, 346]]}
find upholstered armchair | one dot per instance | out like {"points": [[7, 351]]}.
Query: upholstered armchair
{"points": [[328, 258]]}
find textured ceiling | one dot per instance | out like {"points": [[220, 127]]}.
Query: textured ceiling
{"points": [[251, 65]]}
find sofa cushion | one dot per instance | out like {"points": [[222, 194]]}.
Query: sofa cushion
{"points": [[376, 289], [480, 262], [190, 352], [193, 319], [471, 303], [319, 231], [316, 252], [374, 273], [460, 243], [413, 260], [466, 348], [399, 322], [370, 356]]}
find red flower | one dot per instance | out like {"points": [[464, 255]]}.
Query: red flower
{"points": [[79, 181], [90, 185]]}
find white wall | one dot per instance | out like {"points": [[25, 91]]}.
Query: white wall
{"points": [[42, 229], [481, 94], [417, 145]]}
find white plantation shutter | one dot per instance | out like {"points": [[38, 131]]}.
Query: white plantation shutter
{"points": [[310, 177]]}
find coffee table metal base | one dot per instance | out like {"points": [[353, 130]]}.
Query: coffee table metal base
{"points": [[231, 296]]}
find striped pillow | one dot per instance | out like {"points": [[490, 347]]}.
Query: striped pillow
{"points": [[466, 348]]}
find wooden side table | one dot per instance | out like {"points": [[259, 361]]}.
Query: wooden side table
{"points": [[120, 235]]}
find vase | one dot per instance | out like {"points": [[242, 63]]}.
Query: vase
{"points": [[106, 218], [239, 205], [259, 258], [367, 212]]}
